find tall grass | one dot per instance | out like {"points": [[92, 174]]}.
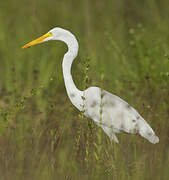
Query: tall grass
{"points": [[123, 49]]}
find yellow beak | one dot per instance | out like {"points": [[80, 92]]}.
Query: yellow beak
{"points": [[37, 41]]}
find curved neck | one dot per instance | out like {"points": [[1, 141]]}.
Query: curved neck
{"points": [[74, 94]]}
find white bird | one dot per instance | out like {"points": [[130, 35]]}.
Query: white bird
{"points": [[107, 110]]}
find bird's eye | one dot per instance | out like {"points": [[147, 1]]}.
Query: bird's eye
{"points": [[51, 33]]}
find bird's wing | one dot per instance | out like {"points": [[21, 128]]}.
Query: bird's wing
{"points": [[115, 115], [103, 107]]}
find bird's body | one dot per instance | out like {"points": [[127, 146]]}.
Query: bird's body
{"points": [[108, 111]]}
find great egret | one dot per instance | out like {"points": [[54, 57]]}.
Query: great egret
{"points": [[107, 110]]}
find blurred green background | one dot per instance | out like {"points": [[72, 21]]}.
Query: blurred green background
{"points": [[125, 44]]}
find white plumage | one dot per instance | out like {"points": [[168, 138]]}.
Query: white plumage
{"points": [[108, 111]]}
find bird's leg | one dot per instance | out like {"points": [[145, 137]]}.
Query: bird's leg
{"points": [[112, 146], [123, 150]]}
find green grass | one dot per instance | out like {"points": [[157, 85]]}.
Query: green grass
{"points": [[123, 49]]}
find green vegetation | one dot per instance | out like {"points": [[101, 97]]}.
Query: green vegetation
{"points": [[124, 48]]}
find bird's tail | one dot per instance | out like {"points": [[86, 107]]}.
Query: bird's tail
{"points": [[151, 137], [146, 131]]}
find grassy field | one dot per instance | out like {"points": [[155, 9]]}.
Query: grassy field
{"points": [[124, 48]]}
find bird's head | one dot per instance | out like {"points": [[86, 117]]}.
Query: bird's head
{"points": [[54, 34]]}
